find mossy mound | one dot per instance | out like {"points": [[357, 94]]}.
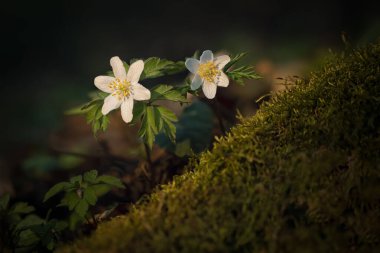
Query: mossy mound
{"points": [[302, 175]]}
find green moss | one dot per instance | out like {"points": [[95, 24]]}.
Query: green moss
{"points": [[302, 175]]}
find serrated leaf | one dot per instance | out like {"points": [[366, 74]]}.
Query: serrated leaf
{"points": [[90, 176], [167, 92], [167, 114], [22, 208], [29, 221], [76, 180], [156, 67], [242, 73], [157, 119], [90, 196], [71, 199], [4, 201], [110, 180], [151, 119], [168, 118], [195, 124], [148, 128], [93, 112], [27, 239], [60, 225], [55, 190], [138, 111], [101, 189], [234, 60], [81, 208]]}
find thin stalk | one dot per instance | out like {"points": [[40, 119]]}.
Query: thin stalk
{"points": [[148, 154], [219, 117]]}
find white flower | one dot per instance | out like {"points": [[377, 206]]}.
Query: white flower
{"points": [[208, 72], [124, 88]]}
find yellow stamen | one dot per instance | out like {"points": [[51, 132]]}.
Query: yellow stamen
{"points": [[121, 88], [208, 71]]}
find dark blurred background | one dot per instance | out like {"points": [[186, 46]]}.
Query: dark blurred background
{"points": [[52, 50]]}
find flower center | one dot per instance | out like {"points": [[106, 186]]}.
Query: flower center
{"points": [[120, 88], [208, 71]]}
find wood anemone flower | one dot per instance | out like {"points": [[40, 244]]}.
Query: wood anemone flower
{"points": [[123, 88], [208, 72]]}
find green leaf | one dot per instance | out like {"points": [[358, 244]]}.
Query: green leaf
{"points": [[4, 201], [27, 239], [195, 124], [156, 67], [157, 119], [22, 208], [71, 199], [55, 190], [138, 111], [234, 60], [151, 119], [60, 225], [93, 112], [29, 221], [81, 208], [167, 92], [168, 118], [242, 73], [74, 219], [90, 176], [77, 180], [101, 189], [148, 128], [90, 196], [110, 180]]}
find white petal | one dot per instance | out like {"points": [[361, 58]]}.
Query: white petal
{"points": [[192, 65], [111, 102], [221, 61], [102, 83], [222, 80], [209, 89], [127, 110], [118, 68], [140, 92], [196, 83], [207, 56], [135, 71]]}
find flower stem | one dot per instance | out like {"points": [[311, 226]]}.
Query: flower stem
{"points": [[219, 116], [148, 154]]}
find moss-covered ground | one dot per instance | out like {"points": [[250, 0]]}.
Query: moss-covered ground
{"points": [[302, 175]]}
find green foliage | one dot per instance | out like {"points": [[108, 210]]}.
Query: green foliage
{"points": [[240, 74], [234, 59], [156, 119], [81, 192], [302, 175], [194, 130], [93, 112], [23, 231], [156, 67], [167, 92]]}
